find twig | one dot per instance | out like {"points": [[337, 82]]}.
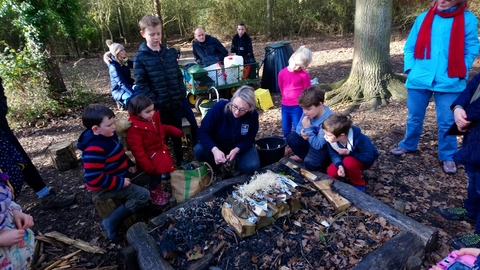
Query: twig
{"points": [[303, 255]]}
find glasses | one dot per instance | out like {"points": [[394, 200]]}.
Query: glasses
{"points": [[238, 109]]}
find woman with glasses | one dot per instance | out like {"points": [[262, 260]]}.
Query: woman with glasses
{"points": [[228, 131]]}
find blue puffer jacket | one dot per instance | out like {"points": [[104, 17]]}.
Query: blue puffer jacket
{"points": [[209, 52], [469, 153], [121, 81], [158, 76], [432, 73], [362, 149]]}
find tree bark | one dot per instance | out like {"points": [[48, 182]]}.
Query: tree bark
{"points": [[371, 77], [123, 30], [157, 6], [269, 18]]}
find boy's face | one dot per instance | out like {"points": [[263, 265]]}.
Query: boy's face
{"points": [[106, 128], [314, 111], [153, 36], [241, 30], [147, 113], [329, 137]]}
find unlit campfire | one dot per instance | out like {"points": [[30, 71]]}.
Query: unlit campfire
{"points": [[271, 222]]}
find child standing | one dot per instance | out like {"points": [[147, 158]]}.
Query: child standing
{"points": [[158, 76], [146, 138], [108, 171], [121, 81], [291, 82], [308, 142], [466, 112], [16, 239], [351, 151]]}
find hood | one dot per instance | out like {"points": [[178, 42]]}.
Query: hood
{"points": [[87, 137]]}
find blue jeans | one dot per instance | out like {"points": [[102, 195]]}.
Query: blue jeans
{"points": [[247, 162], [313, 159], [472, 202], [290, 115], [417, 102]]}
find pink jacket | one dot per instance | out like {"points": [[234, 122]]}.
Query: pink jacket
{"points": [[292, 84]]}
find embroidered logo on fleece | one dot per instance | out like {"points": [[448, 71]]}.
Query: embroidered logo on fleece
{"points": [[244, 129]]}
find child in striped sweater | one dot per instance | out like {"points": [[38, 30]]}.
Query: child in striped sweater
{"points": [[108, 171]]}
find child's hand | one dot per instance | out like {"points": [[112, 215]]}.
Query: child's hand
{"points": [[470, 251], [132, 169], [306, 122], [303, 134], [126, 182], [10, 237], [233, 153], [460, 117], [22, 220], [341, 171], [343, 151]]}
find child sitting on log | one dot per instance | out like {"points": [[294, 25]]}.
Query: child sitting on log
{"points": [[147, 140], [351, 151], [108, 171], [16, 239]]}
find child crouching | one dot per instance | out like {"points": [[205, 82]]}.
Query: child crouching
{"points": [[351, 151], [146, 138], [108, 171]]}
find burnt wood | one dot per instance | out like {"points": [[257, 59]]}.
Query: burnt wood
{"points": [[146, 248]]}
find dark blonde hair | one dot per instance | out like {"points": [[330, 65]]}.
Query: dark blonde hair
{"points": [[311, 96], [247, 94], [148, 20], [139, 103], [337, 124]]}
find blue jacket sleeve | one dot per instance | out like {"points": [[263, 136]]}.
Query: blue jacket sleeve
{"points": [[142, 85], [409, 47], [466, 95], [118, 83], [364, 150], [337, 159], [208, 127], [471, 40]]}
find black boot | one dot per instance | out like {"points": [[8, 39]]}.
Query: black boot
{"points": [[112, 222]]}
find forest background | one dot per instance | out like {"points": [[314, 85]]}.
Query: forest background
{"points": [[36, 34]]}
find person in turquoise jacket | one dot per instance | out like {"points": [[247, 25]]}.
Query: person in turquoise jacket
{"points": [[438, 53]]}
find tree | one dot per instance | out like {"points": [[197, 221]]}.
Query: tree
{"points": [[371, 77]]}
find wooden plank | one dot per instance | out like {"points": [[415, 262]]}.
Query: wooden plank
{"points": [[339, 203], [240, 225], [147, 249], [78, 243], [394, 253]]}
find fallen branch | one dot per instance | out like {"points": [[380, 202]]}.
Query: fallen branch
{"points": [[80, 244], [62, 259]]}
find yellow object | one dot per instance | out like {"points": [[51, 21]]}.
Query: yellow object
{"points": [[263, 99]]}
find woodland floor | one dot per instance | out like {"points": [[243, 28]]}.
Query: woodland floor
{"points": [[415, 178]]}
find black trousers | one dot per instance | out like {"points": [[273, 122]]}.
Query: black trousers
{"points": [[174, 118], [32, 176]]}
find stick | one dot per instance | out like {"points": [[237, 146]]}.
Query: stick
{"points": [[80, 244]]}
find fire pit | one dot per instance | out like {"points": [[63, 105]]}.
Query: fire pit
{"points": [[194, 235]]}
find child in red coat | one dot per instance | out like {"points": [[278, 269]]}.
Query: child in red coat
{"points": [[146, 138]]}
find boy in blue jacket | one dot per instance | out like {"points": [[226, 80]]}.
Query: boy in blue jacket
{"points": [[466, 111], [351, 151], [108, 171]]}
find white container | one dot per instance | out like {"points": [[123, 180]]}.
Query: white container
{"points": [[233, 60]]}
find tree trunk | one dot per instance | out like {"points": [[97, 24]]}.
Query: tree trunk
{"points": [[157, 6], [54, 76], [123, 30], [371, 78], [269, 18]]}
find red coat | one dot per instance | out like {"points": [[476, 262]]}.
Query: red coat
{"points": [[147, 143]]}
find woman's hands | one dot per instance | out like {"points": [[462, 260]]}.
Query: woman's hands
{"points": [[218, 155]]}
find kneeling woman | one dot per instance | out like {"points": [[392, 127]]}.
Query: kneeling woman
{"points": [[228, 131]]}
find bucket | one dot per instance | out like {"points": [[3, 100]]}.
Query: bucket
{"points": [[270, 149], [204, 107], [233, 60]]}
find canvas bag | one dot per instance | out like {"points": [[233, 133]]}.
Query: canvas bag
{"points": [[191, 179]]}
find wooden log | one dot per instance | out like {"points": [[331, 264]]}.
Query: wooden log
{"points": [[63, 156], [205, 262], [394, 253], [168, 248], [147, 249], [131, 259], [240, 225], [78, 243], [339, 203], [105, 207], [414, 263]]}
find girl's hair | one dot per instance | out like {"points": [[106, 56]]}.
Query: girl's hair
{"points": [[138, 103], [337, 124], [246, 93], [300, 59]]}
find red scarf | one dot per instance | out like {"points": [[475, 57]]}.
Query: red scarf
{"points": [[456, 61]]}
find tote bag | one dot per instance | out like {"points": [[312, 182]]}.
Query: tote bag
{"points": [[191, 179]]}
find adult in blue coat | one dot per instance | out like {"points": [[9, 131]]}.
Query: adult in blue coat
{"points": [[466, 110], [121, 81], [438, 53], [207, 49], [228, 131]]}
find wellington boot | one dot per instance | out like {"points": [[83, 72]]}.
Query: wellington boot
{"points": [[112, 222]]}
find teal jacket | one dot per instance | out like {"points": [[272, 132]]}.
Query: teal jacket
{"points": [[432, 73]]}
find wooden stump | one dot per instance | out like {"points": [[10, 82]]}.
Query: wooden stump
{"points": [[63, 155], [106, 206]]}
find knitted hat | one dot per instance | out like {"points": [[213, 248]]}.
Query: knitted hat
{"points": [[115, 48]]}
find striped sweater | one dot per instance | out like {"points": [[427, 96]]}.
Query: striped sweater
{"points": [[104, 161]]}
